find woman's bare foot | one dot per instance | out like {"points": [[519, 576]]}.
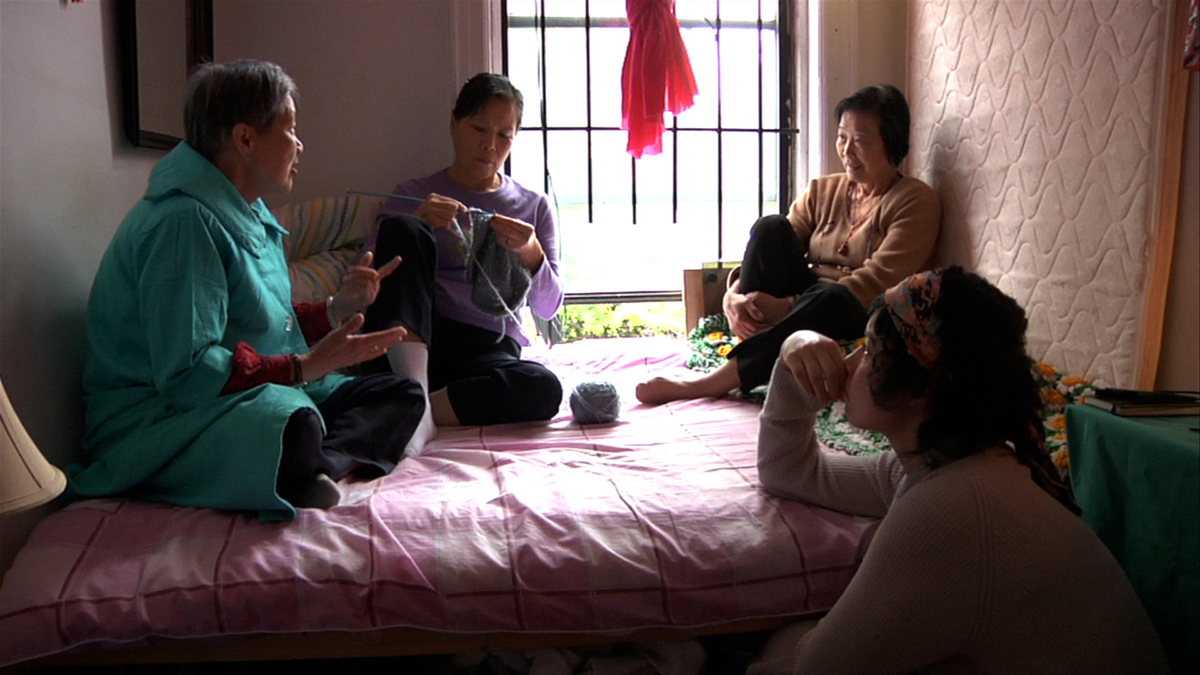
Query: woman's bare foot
{"points": [[718, 383], [659, 390]]}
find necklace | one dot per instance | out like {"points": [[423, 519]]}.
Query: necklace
{"points": [[867, 207]]}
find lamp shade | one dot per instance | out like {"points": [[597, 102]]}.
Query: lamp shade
{"points": [[26, 478]]}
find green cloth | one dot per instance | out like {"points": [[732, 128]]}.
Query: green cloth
{"points": [[192, 271], [1138, 482]]}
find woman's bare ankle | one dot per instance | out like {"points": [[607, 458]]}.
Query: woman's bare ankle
{"points": [[659, 390]]}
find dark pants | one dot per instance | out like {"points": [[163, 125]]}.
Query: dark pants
{"points": [[774, 263], [368, 421], [481, 370], [405, 295]]}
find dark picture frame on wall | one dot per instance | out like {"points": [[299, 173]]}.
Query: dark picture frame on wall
{"points": [[160, 43]]}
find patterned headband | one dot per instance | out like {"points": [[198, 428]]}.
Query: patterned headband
{"points": [[910, 305]]}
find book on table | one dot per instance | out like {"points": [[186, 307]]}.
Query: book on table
{"points": [[1138, 403]]}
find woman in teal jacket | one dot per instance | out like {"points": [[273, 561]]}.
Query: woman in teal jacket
{"points": [[205, 385]]}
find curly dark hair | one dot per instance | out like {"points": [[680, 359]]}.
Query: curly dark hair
{"points": [[981, 388], [889, 105], [222, 95], [481, 89]]}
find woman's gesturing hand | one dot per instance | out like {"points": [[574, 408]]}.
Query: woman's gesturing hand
{"points": [[360, 286], [817, 363], [343, 347]]}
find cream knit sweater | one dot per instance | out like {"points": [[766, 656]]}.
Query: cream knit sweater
{"points": [[895, 240], [973, 569]]}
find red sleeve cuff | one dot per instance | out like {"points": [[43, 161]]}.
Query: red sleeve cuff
{"points": [[250, 369], [313, 318]]}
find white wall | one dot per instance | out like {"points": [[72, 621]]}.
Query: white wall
{"points": [[66, 179], [858, 43], [377, 81]]}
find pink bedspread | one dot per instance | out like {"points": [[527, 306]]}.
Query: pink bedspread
{"points": [[655, 520]]}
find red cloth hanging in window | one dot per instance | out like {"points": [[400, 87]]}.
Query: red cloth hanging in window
{"points": [[657, 75]]}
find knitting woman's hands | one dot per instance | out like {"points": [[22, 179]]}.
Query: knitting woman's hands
{"points": [[519, 237], [440, 211]]}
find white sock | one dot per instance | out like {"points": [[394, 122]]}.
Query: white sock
{"points": [[411, 359]]}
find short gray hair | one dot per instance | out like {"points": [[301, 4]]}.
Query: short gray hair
{"points": [[222, 95]]}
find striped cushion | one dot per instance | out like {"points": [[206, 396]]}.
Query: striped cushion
{"points": [[324, 237]]}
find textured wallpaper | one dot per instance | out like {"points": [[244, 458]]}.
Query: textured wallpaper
{"points": [[1038, 123]]}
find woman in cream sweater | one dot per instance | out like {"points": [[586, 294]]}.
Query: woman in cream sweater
{"points": [[981, 563], [846, 239]]}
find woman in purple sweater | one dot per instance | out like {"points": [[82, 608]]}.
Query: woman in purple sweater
{"points": [[465, 353]]}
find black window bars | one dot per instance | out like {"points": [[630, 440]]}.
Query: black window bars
{"points": [[785, 134]]}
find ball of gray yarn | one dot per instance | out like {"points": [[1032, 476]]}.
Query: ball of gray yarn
{"points": [[595, 402]]}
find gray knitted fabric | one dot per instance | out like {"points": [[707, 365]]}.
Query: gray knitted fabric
{"points": [[499, 282]]}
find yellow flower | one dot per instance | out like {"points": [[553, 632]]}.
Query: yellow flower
{"points": [[1052, 397], [1059, 422], [1046, 370], [1061, 459], [724, 350], [715, 336], [1074, 381]]}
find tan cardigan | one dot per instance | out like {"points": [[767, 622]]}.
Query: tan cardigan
{"points": [[898, 239], [974, 568]]}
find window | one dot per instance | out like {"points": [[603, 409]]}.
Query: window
{"points": [[629, 227]]}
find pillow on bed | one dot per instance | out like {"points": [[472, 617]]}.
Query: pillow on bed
{"points": [[324, 236], [711, 341]]}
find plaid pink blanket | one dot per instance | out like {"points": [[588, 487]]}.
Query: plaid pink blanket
{"points": [[654, 520]]}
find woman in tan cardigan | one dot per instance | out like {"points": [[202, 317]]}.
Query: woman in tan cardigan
{"points": [[981, 563], [846, 239]]}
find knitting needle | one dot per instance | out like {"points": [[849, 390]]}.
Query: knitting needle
{"points": [[470, 209], [458, 230]]}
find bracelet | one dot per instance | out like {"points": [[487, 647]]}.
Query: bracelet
{"points": [[298, 372], [333, 322]]}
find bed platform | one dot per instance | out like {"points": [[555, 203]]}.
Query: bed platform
{"points": [[497, 538]]}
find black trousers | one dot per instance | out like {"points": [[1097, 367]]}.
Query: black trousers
{"points": [[482, 371], [774, 263], [368, 421]]}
